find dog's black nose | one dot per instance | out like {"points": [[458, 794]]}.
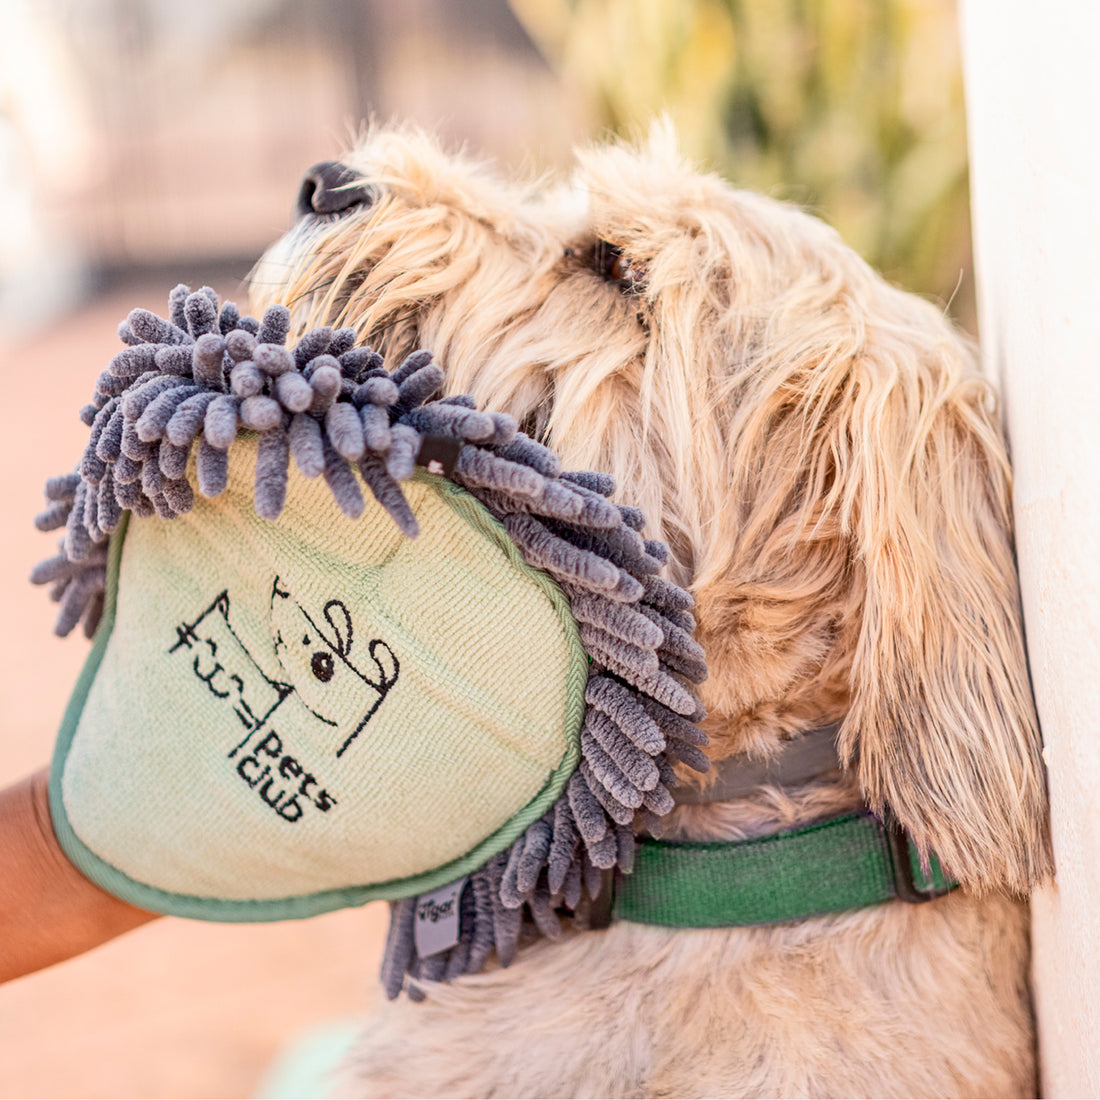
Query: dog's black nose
{"points": [[332, 188]]}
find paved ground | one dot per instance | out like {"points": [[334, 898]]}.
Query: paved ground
{"points": [[177, 1008]]}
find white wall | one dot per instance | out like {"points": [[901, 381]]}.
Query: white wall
{"points": [[1033, 91]]}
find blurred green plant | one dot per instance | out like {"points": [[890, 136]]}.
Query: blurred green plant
{"points": [[851, 108]]}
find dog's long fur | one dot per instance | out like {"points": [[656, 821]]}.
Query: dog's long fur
{"points": [[827, 466]]}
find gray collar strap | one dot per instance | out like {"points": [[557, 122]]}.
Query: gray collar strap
{"points": [[798, 761], [842, 863]]}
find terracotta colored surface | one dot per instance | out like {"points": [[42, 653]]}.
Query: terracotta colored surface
{"points": [[177, 1008]]}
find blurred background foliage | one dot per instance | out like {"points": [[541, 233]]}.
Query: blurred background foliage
{"points": [[851, 108]]}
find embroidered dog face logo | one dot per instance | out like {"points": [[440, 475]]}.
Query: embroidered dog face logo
{"points": [[265, 758], [339, 677]]}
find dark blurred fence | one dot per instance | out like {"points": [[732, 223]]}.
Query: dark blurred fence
{"points": [[198, 118]]}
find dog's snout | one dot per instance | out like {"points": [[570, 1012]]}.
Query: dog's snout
{"points": [[332, 188]]}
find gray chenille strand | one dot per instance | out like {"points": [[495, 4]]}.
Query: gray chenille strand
{"points": [[191, 384]]}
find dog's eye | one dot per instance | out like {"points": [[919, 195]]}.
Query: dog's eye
{"points": [[609, 261]]}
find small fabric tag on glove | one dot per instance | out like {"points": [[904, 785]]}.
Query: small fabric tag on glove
{"points": [[437, 919], [438, 454]]}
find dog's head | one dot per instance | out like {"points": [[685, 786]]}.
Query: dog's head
{"points": [[411, 248], [816, 446]]}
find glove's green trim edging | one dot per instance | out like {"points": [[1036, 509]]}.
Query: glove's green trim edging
{"points": [[831, 866], [121, 885]]}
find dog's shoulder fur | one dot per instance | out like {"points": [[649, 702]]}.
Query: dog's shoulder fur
{"points": [[895, 1003], [826, 463]]}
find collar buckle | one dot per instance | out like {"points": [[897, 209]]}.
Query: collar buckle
{"points": [[602, 912], [902, 857]]}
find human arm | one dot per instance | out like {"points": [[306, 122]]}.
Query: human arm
{"points": [[49, 911]]}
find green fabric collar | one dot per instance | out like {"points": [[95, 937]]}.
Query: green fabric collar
{"points": [[842, 863]]}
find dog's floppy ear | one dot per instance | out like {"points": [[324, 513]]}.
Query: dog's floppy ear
{"points": [[942, 720]]}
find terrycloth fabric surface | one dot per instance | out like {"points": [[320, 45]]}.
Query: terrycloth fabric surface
{"points": [[328, 704]]}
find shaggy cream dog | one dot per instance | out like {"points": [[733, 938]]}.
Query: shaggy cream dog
{"points": [[827, 466]]}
